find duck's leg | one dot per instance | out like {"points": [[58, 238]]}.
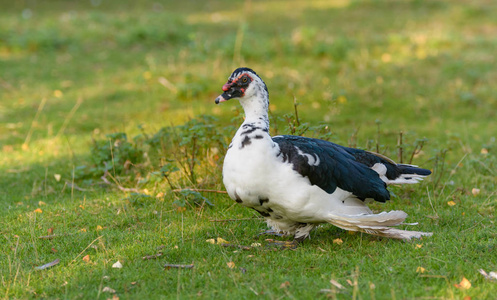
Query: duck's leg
{"points": [[301, 233], [271, 232]]}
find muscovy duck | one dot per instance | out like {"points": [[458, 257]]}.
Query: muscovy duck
{"points": [[296, 182]]}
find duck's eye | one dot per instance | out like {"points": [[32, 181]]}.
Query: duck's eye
{"points": [[244, 79]]}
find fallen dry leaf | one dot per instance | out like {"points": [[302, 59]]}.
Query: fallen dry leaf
{"points": [[117, 265], [50, 230], [464, 284], [419, 246], [40, 203], [57, 177], [108, 290], [475, 191], [484, 151], [451, 203], [99, 227], [338, 241], [86, 258], [222, 241], [38, 210], [217, 241], [54, 250], [58, 93], [420, 270], [231, 264], [337, 284], [285, 285]]}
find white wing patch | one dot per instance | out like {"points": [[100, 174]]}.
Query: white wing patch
{"points": [[312, 159], [381, 169]]}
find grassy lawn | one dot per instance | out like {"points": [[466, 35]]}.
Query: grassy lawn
{"points": [[76, 74]]}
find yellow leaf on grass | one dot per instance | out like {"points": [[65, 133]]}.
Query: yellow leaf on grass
{"points": [[222, 241], [40, 203], [484, 151], [108, 290], [217, 241], [86, 258], [451, 203], [57, 177], [38, 210], [464, 284], [231, 264], [99, 227], [82, 230], [420, 270], [337, 241], [418, 246], [57, 93]]}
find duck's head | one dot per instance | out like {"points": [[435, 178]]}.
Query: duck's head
{"points": [[243, 83]]}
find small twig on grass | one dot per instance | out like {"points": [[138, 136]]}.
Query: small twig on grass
{"points": [[295, 104], [235, 220], [69, 117], [171, 266], [154, 256], [50, 264], [85, 249], [76, 187], [236, 246], [52, 236], [200, 190], [417, 150], [400, 145], [35, 119], [106, 181]]}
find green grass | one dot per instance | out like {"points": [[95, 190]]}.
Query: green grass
{"points": [[73, 71]]}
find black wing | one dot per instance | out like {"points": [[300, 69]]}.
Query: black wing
{"points": [[330, 166]]}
